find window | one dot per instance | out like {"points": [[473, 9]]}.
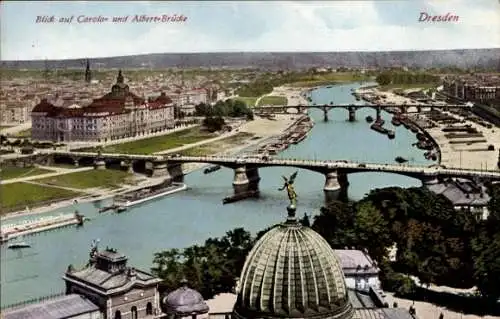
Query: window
{"points": [[149, 309], [133, 310], [118, 314]]}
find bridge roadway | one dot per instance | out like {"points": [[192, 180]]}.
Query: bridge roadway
{"points": [[352, 108], [359, 106], [347, 167], [246, 173], [324, 166]]}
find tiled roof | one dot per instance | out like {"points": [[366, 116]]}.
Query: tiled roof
{"points": [[107, 104]]}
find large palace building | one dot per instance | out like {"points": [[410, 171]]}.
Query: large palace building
{"points": [[118, 114]]}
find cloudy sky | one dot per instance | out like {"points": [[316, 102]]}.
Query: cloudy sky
{"points": [[244, 26]]}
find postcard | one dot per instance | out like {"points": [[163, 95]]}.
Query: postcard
{"points": [[250, 159]]}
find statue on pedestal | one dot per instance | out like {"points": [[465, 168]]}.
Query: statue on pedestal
{"points": [[288, 185]]}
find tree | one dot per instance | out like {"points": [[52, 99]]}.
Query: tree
{"points": [[210, 269], [336, 224], [486, 249], [372, 231], [213, 124], [383, 78]]}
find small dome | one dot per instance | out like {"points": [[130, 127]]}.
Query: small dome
{"points": [[184, 301], [292, 272]]}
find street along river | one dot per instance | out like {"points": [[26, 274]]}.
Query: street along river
{"points": [[190, 217]]}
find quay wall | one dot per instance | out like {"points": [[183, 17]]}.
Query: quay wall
{"points": [[39, 226], [428, 136]]}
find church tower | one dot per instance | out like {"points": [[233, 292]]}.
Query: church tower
{"points": [[88, 75]]}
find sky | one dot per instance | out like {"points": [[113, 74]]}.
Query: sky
{"points": [[236, 26]]}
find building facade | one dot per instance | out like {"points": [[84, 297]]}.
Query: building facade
{"points": [[360, 271], [120, 292], [473, 88], [14, 113], [118, 114]]}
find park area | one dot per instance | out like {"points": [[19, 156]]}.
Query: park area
{"points": [[218, 146], [18, 172], [272, 100], [18, 196], [329, 79], [249, 101], [109, 178], [158, 143]]}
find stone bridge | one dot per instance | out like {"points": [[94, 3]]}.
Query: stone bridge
{"points": [[352, 108], [246, 174]]}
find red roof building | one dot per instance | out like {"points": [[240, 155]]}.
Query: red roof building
{"points": [[118, 114]]}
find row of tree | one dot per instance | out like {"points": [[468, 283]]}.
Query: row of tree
{"points": [[391, 77], [434, 242], [227, 108]]}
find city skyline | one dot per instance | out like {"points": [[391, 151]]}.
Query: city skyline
{"points": [[278, 26]]}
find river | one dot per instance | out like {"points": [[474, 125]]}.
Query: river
{"points": [[190, 217]]}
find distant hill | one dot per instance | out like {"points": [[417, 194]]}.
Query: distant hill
{"points": [[482, 58]]}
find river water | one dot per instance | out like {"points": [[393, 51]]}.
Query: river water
{"points": [[190, 217]]}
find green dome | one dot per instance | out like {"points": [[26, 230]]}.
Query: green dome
{"points": [[292, 272]]}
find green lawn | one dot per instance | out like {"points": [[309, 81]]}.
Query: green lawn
{"points": [[108, 178], [2, 127], [217, 146], [158, 143], [273, 100], [17, 196], [249, 101], [16, 172], [407, 86], [330, 79], [25, 133]]}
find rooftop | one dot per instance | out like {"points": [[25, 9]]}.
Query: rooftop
{"points": [[355, 261], [457, 192], [61, 307]]}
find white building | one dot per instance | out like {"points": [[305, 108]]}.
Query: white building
{"points": [[360, 271]]}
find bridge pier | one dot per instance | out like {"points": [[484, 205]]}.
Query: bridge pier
{"points": [[240, 181], [379, 114], [325, 114], [253, 178], [430, 180], [159, 168], [49, 160], [352, 114], [332, 186], [127, 166], [99, 163], [175, 171]]}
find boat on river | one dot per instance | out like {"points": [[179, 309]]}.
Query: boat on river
{"points": [[396, 121], [211, 169], [400, 160], [19, 245], [137, 197], [391, 134]]}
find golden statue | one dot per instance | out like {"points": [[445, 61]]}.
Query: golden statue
{"points": [[292, 195]]}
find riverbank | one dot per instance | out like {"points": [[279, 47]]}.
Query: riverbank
{"points": [[453, 153], [467, 153]]}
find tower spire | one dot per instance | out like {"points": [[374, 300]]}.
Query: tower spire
{"points": [[119, 78], [88, 75]]}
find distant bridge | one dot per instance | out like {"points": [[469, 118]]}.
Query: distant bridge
{"points": [[246, 168], [352, 108]]}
